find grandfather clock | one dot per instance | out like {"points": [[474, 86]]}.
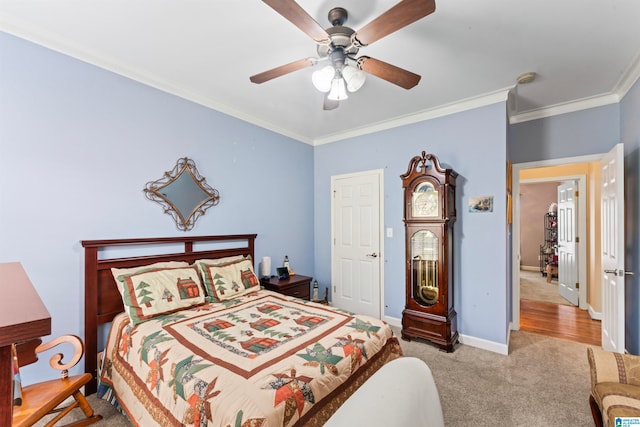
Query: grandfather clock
{"points": [[429, 214]]}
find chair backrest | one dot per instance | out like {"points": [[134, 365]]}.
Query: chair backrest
{"points": [[28, 352]]}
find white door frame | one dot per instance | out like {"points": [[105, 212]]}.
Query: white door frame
{"points": [[515, 233], [380, 174]]}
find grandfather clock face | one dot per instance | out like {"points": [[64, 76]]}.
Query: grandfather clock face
{"points": [[424, 201]]}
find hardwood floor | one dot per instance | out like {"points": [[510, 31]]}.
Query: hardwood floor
{"points": [[560, 321]]}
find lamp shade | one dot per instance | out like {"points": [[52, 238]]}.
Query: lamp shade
{"points": [[353, 77], [338, 91], [322, 78]]}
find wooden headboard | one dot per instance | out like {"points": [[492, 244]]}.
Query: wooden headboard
{"points": [[102, 301]]}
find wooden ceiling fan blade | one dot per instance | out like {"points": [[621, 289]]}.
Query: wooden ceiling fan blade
{"points": [[399, 16], [265, 76], [295, 14], [391, 73], [330, 104]]}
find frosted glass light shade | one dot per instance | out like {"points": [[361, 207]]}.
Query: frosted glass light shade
{"points": [[322, 78], [353, 77], [338, 90]]}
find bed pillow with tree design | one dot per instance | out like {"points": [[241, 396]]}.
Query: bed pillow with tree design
{"points": [[150, 292]]}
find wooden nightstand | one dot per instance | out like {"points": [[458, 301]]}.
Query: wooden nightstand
{"points": [[296, 286]]}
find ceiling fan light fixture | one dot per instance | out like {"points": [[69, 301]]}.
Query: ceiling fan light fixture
{"points": [[353, 77], [323, 78], [340, 45], [338, 90]]}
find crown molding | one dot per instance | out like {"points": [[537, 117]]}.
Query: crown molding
{"points": [[629, 78], [565, 107], [626, 82], [490, 98]]}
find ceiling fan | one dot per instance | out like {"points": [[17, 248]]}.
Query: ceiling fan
{"points": [[339, 45]]}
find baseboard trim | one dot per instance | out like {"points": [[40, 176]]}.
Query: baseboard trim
{"points": [[464, 339], [485, 344], [595, 315], [393, 321]]}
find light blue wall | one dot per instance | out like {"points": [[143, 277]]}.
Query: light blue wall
{"points": [[592, 131], [630, 136], [473, 143], [78, 144]]}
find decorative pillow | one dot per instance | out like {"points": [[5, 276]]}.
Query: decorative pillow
{"points": [[151, 292], [228, 280], [206, 278], [129, 271], [225, 260]]}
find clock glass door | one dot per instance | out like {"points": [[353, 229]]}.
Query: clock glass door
{"points": [[424, 266]]}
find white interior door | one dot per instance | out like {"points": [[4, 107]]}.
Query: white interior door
{"points": [[356, 243], [613, 323], [567, 250]]}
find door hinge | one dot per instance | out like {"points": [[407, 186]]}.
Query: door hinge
{"points": [[334, 241], [334, 289], [334, 194], [577, 239], [577, 285], [577, 193]]}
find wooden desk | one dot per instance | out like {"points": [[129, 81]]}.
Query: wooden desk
{"points": [[23, 317]]}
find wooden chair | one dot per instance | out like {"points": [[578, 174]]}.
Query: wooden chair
{"points": [[46, 397]]}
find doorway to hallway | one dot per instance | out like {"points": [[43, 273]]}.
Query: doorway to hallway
{"points": [[549, 317]]}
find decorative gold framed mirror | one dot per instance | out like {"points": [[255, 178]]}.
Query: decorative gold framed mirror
{"points": [[183, 193]]}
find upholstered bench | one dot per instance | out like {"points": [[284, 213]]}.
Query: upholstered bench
{"points": [[615, 386]]}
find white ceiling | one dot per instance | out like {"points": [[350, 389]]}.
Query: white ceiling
{"points": [[468, 52]]}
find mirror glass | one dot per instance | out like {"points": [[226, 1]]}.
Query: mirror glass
{"points": [[183, 193], [424, 265]]}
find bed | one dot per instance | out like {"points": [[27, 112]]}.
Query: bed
{"points": [[244, 356]]}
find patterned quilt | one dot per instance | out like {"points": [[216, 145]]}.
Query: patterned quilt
{"points": [[263, 359]]}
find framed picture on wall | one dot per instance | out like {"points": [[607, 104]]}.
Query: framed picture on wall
{"points": [[482, 204]]}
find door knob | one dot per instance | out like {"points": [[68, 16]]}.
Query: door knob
{"points": [[619, 272], [373, 255]]}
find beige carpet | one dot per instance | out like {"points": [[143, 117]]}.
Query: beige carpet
{"points": [[533, 286], [542, 382]]}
